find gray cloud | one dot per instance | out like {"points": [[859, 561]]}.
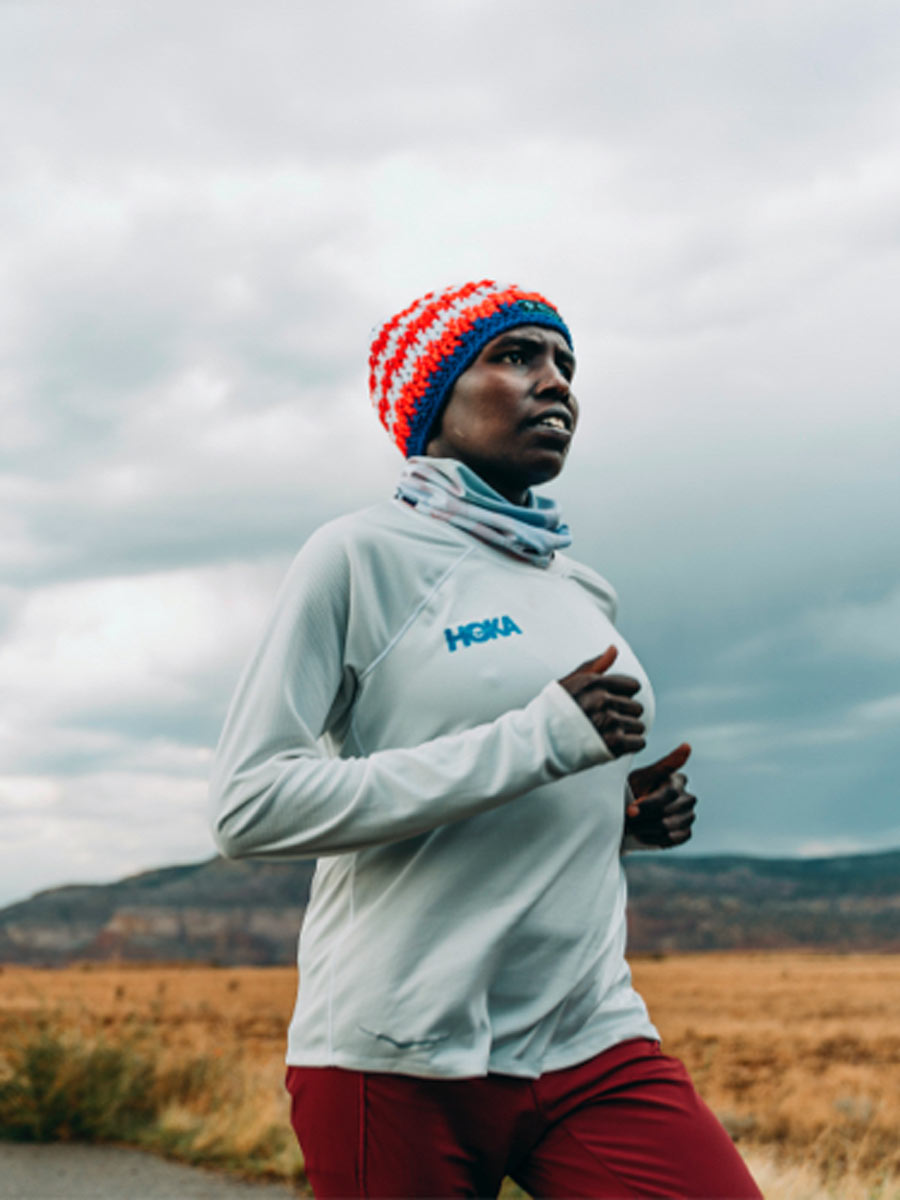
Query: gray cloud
{"points": [[204, 218]]}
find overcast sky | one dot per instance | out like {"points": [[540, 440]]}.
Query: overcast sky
{"points": [[206, 206]]}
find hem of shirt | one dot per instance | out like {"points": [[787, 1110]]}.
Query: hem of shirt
{"points": [[583, 1049], [570, 1055]]}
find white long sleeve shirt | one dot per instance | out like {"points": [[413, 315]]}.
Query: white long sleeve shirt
{"points": [[400, 721]]}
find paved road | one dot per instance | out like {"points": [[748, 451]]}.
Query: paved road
{"points": [[74, 1172]]}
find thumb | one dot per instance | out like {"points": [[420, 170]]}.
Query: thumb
{"points": [[602, 662], [645, 779], [675, 759]]}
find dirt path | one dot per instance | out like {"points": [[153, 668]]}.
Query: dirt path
{"points": [[73, 1172]]}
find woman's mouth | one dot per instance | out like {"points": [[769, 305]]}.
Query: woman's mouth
{"points": [[554, 427], [558, 419]]}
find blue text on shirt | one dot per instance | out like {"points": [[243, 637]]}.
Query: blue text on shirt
{"points": [[480, 631]]}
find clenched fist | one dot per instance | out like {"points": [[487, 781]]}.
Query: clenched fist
{"points": [[662, 811], [606, 702]]}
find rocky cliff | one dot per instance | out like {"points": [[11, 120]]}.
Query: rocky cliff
{"points": [[214, 911], [250, 912]]}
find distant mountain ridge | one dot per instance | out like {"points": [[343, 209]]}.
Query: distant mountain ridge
{"points": [[249, 912], [846, 903], [212, 911]]}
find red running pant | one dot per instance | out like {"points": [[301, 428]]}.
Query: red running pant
{"points": [[626, 1123]]}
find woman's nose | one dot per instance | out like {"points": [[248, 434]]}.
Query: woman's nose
{"points": [[553, 380]]}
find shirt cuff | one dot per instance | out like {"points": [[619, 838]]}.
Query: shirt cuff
{"points": [[576, 742]]}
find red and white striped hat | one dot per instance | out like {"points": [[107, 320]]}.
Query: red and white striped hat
{"points": [[417, 355]]}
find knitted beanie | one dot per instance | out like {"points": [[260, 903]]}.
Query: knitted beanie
{"points": [[418, 355]]}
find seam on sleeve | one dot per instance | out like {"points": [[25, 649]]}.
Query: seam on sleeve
{"points": [[414, 614], [336, 950]]}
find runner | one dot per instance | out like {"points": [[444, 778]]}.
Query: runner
{"points": [[412, 719]]}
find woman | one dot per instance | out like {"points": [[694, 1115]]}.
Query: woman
{"points": [[412, 719]]}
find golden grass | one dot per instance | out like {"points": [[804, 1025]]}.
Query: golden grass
{"points": [[216, 1038], [797, 1054]]}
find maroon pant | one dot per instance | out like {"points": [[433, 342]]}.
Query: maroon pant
{"points": [[626, 1123]]}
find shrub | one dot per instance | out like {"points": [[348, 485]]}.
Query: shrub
{"points": [[58, 1089]]}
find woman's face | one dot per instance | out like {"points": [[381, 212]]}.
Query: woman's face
{"points": [[511, 414]]}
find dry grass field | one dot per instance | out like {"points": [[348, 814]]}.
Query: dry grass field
{"points": [[799, 1055]]}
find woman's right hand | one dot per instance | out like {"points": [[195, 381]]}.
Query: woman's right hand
{"points": [[606, 702]]}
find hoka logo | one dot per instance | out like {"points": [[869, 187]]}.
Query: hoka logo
{"points": [[480, 631]]}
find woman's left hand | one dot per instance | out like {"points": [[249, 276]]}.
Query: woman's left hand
{"points": [[663, 810]]}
